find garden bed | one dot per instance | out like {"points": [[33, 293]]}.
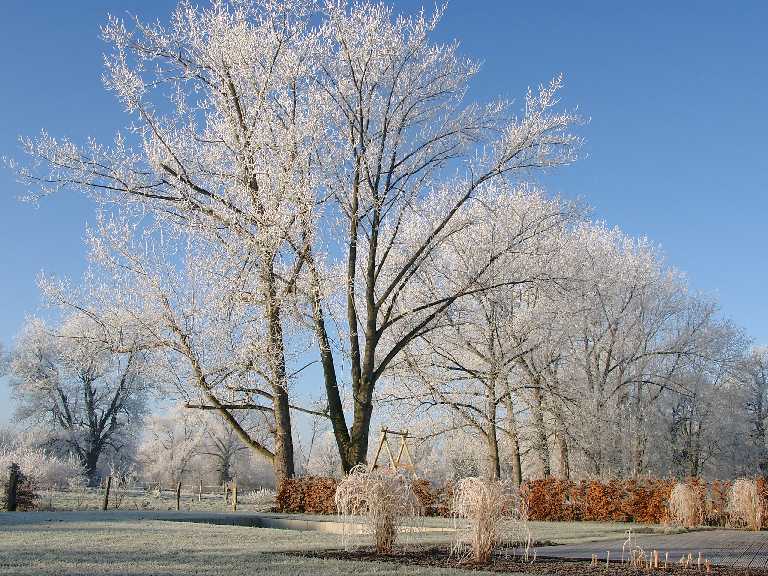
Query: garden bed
{"points": [[438, 557]]}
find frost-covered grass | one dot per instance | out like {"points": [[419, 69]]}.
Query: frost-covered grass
{"points": [[90, 545], [135, 499]]}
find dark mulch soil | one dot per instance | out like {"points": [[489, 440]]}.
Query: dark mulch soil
{"points": [[438, 557]]}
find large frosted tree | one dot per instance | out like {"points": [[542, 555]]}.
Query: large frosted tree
{"points": [[69, 380], [290, 144]]}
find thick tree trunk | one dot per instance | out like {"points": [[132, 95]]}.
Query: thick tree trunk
{"points": [[541, 445], [283, 464], [563, 460], [90, 461]]}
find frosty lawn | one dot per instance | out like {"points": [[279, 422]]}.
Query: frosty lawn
{"points": [[120, 542]]}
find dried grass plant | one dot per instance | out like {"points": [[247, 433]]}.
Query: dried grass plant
{"points": [[488, 515], [382, 498], [685, 505], [745, 507]]}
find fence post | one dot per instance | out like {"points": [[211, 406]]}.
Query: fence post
{"points": [[200, 493], [11, 496], [234, 495], [106, 493], [178, 496]]}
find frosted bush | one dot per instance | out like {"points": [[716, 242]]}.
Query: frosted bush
{"points": [[745, 507], [685, 506], [47, 471], [488, 515], [260, 497], [382, 498]]}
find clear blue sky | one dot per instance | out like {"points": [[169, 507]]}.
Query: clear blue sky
{"points": [[676, 93]]}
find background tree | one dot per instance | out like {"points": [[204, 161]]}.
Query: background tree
{"points": [[66, 379]]}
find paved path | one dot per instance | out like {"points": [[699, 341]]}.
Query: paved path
{"points": [[723, 547]]}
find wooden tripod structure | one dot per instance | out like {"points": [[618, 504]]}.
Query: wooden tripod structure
{"points": [[395, 462]]}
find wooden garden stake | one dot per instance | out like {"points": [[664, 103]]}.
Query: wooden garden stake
{"points": [[178, 496], [106, 493]]}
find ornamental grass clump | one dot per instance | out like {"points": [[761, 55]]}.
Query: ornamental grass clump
{"points": [[686, 505], [382, 499], [745, 507], [488, 515]]}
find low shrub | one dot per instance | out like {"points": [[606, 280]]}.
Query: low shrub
{"points": [[552, 499], [746, 508], [382, 498], [260, 497], [488, 515], [309, 494], [26, 490], [686, 504], [45, 470]]}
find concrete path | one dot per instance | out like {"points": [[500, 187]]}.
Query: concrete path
{"points": [[721, 547]]}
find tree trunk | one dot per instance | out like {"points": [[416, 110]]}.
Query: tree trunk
{"points": [[541, 445], [283, 464], [514, 439], [493, 464], [561, 443], [90, 461]]}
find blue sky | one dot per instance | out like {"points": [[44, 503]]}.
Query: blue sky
{"points": [[675, 93]]}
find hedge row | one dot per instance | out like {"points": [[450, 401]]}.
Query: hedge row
{"points": [[308, 494], [551, 499]]}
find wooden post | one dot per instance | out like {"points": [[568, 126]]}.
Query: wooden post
{"points": [[12, 492], [178, 496], [106, 493], [234, 495], [200, 492]]}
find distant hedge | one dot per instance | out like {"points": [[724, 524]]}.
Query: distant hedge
{"points": [[551, 499]]}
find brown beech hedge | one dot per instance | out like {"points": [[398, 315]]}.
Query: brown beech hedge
{"points": [[551, 499]]}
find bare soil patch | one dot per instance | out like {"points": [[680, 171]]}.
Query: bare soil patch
{"points": [[438, 557]]}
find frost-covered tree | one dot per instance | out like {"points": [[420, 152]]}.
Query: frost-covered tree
{"points": [[68, 379], [219, 147], [755, 381], [289, 143], [466, 364], [411, 153]]}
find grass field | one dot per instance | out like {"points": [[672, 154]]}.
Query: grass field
{"points": [[42, 543], [92, 499], [135, 542]]}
